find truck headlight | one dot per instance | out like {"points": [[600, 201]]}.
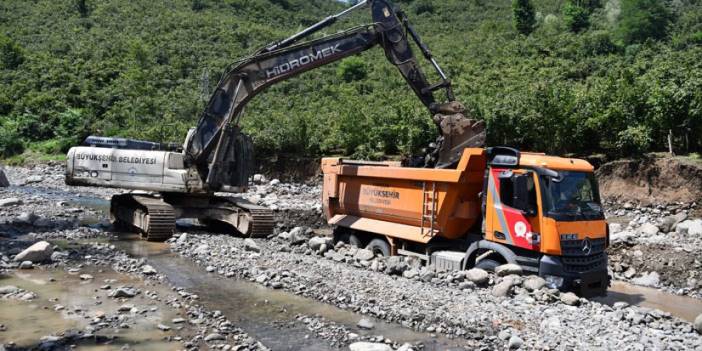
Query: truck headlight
{"points": [[553, 281]]}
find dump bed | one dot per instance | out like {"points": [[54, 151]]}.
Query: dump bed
{"points": [[414, 204]]}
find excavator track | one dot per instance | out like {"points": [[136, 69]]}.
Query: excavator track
{"points": [[260, 220], [150, 215], [245, 217]]}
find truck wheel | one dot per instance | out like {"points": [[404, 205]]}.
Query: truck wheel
{"points": [[379, 247], [487, 264], [355, 241], [348, 238]]}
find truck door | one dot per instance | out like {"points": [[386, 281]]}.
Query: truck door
{"points": [[512, 212]]}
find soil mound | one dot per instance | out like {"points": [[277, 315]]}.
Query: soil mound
{"points": [[660, 180], [290, 167]]}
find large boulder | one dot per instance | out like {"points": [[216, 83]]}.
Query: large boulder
{"points": [[515, 342], [123, 292], [690, 226], [534, 282], [202, 249], [369, 346], [316, 242], [477, 275], [297, 236], [10, 201], [182, 239], [502, 288], [364, 255], [39, 252], [695, 228], [649, 229], [148, 270], [507, 269], [622, 237], [651, 279], [668, 223], [34, 179], [569, 298], [698, 323], [395, 265], [365, 323], [9, 289], [4, 182], [27, 218], [615, 227], [250, 245], [259, 178]]}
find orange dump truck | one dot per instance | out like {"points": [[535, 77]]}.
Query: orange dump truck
{"points": [[498, 205]]}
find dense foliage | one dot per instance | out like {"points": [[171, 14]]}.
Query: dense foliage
{"points": [[612, 76], [524, 16]]}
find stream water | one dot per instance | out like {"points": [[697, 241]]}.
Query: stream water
{"points": [[80, 301], [267, 315], [683, 307]]}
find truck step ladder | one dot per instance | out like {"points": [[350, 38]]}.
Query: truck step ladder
{"points": [[429, 209]]}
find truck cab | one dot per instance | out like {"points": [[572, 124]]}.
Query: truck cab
{"points": [[547, 211]]}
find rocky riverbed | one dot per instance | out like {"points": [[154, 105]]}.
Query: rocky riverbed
{"points": [[106, 298], [482, 310], [657, 246]]}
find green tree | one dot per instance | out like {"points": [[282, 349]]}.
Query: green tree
{"points": [[576, 17], [198, 5], [82, 8], [352, 69], [11, 54], [423, 6], [643, 19], [523, 16], [10, 139]]}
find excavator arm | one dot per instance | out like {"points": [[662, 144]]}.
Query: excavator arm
{"points": [[207, 145]]}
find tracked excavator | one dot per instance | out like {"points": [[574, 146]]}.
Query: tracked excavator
{"points": [[172, 182]]}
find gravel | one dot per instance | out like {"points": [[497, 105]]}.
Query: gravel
{"points": [[657, 246], [441, 304]]}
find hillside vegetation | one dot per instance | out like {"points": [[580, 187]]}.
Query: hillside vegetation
{"points": [[589, 76]]}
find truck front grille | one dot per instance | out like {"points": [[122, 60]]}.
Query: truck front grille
{"points": [[584, 263], [574, 248]]}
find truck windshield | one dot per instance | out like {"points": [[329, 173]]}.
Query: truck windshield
{"points": [[571, 196]]}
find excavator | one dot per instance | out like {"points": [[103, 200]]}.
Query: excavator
{"points": [[170, 182]]}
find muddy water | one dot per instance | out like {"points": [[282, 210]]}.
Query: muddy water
{"points": [[683, 307], [82, 300], [267, 315]]}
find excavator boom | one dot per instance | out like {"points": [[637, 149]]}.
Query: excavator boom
{"points": [[284, 59]]}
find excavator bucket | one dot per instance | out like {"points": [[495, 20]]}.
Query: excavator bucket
{"points": [[457, 133]]}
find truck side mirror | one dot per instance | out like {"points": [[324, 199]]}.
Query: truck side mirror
{"points": [[524, 194]]}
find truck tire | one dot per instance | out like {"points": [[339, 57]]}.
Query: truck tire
{"points": [[348, 238], [379, 247], [487, 264], [355, 241]]}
